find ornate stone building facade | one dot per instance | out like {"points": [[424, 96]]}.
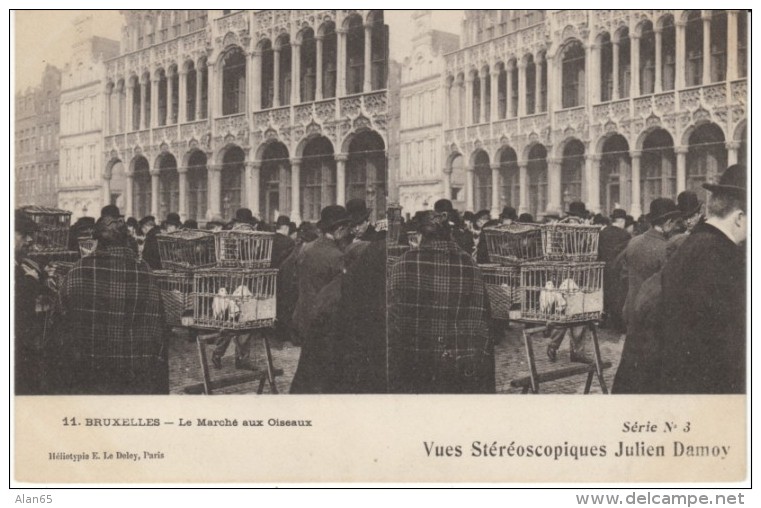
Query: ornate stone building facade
{"points": [[281, 111], [421, 134], [37, 118], [611, 107], [83, 189]]}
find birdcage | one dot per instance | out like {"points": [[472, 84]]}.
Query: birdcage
{"points": [[44, 258], [87, 246], [244, 249], [187, 249], [570, 242], [52, 227], [561, 291], [503, 288], [513, 243], [56, 271], [176, 294], [234, 299]]}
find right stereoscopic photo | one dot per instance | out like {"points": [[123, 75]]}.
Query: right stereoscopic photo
{"points": [[568, 202]]}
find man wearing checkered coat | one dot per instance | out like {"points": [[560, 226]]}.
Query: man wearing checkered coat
{"points": [[439, 339]]}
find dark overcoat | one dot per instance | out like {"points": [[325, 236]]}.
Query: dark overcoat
{"points": [[704, 339], [645, 255]]}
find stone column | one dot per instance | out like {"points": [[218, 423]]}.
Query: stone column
{"points": [[247, 170], [341, 62], [107, 130], [493, 96], [634, 89], [318, 69], [731, 45], [253, 197], [538, 84], [681, 168], [295, 73], [215, 190], [182, 112], [341, 159], [128, 211], [468, 100], [636, 210], [154, 106], [213, 93], [446, 121], [155, 189], [296, 189], [183, 190], [616, 51], [495, 188], [733, 151], [447, 184], [143, 105], [521, 88], [128, 106], [554, 197], [679, 65], [276, 78], [106, 189], [470, 188], [591, 76], [552, 94], [658, 60], [256, 81], [523, 186], [367, 86], [509, 113], [199, 92], [592, 171], [706, 17]]}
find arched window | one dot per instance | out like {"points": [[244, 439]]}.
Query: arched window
{"points": [[197, 186], [501, 92], [275, 182], [329, 60], [706, 157], [718, 46], [476, 99], [308, 66], [573, 75], [668, 53], [742, 44], [482, 180], [232, 181], [233, 82], [615, 171], [366, 172], [658, 175], [190, 92], [606, 68], [141, 188], [571, 171], [647, 59], [355, 55], [694, 42], [510, 176], [378, 51], [536, 172], [267, 75], [169, 183], [318, 178], [284, 83]]}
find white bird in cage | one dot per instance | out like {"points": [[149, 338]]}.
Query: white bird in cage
{"points": [[547, 298], [235, 304], [219, 306]]}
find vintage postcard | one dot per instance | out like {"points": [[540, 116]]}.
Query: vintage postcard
{"points": [[368, 246]]}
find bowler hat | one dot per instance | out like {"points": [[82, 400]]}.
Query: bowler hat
{"points": [[526, 218], [662, 209], [443, 205], [245, 215], [688, 203], [469, 216], [509, 212], [617, 214], [357, 210], [111, 211], [733, 180], [24, 224], [481, 215], [578, 209], [333, 216], [282, 220], [173, 219]]}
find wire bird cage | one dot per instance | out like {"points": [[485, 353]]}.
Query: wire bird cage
{"points": [[87, 246], [244, 249], [503, 288], [56, 272], [561, 292], [184, 250], [52, 227], [514, 243], [570, 242], [176, 294], [234, 299]]}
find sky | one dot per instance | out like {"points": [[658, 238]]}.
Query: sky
{"points": [[43, 37]]}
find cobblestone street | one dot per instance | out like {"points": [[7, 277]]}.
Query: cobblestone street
{"points": [[185, 369]]}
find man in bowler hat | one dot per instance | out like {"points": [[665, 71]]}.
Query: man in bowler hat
{"points": [[613, 240], [704, 303]]}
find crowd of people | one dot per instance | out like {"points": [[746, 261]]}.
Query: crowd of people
{"points": [[674, 283]]}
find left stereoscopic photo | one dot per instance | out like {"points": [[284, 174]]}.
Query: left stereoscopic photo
{"points": [[196, 191]]}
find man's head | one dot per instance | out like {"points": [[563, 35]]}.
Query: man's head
{"points": [[727, 207], [508, 215], [481, 218], [469, 219], [110, 211], [245, 216], [132, 226], [359, 215], [172, 222], [147, 223], [433, 226], [690, 206], [618, 218], [24, 227], [110, 232], [578, 209], [334, 221], [663, 214], [283, 225]]}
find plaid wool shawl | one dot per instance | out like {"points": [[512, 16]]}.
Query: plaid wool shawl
{"points": [[439, 337], [110, 316]]}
